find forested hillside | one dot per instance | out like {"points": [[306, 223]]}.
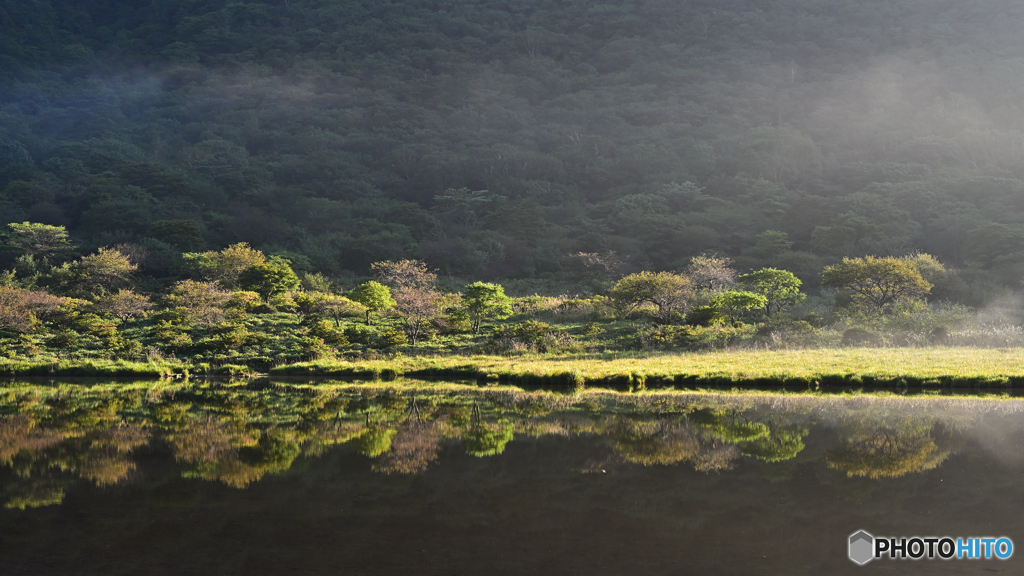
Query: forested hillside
{"points": [[499, 139]]}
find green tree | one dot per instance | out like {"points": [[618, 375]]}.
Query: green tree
{"points": [[780, 288], [226, 265], [732, 302], [38, 240], [484, 300], [202, 302], [269, 279], [668, 292], [104, 271], [376, 440], [483, 439], [324, 304], [771, 244], [375, 296], [876, 281]]}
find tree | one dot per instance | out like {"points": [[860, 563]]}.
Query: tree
{"points": [[375, 296], [733, 301], [329, 305], [886, 453], [416, 298], [780, 288], [771, 244], [404, 274], [483, 300], [877, 282], [201, 302], [225, 266], [659, 443], [417, 306], [782, 444], [483, 439], [105, 270], [19, 308], [668, 292], [711, 273], [376, 440], [38, 240], [125, 305], [269, 279]]}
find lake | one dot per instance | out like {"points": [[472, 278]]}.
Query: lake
{"points": [[268, 477]]}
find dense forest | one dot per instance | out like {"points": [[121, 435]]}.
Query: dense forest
{"points": [[500, 139], [207, 178]]}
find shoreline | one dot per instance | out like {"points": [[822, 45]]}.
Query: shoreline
{"points": [[808, 369]]}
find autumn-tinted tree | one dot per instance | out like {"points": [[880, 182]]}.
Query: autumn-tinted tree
{"points": [[417, 301], [19, 309], [405, 274], [125, 305], [712, 273]]}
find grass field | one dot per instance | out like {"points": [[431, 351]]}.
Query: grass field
{"points": [[810, 368], [804, 368]]}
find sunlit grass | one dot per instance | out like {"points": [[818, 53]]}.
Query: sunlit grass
{"points": [[833, 366]]}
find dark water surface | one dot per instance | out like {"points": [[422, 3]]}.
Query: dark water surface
{"points": [[265, 478]]}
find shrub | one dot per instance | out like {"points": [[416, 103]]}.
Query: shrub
{"points": [[391, 338], [860, 337]]}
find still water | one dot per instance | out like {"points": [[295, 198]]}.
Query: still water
{"points": [[415, 478]]}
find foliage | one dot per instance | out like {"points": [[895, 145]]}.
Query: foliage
{"points": [[375, 441], [226, 265], [670, 293], [125, 305], [780, 288], [486, 439], [38, 240], [732, 302], [201, 302], [483, 300], [269, 279], [877, 282], [375, 296], [104, 271]]}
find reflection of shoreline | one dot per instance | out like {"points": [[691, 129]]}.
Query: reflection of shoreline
{"points": [[54, 437]]}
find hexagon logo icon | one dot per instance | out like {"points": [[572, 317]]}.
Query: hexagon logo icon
{"points": [[861, 547]]}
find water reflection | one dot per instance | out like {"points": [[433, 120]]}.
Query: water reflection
{"points": [[52, 436]]}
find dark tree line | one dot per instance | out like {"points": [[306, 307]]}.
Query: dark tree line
{"points": [[497, 139]]}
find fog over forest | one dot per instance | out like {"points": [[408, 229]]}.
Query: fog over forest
{"points": [[496, 139], [270, 181]]}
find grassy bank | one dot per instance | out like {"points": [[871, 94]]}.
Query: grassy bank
{"points": [[98, 368], [961, 367], [811, 368]]}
